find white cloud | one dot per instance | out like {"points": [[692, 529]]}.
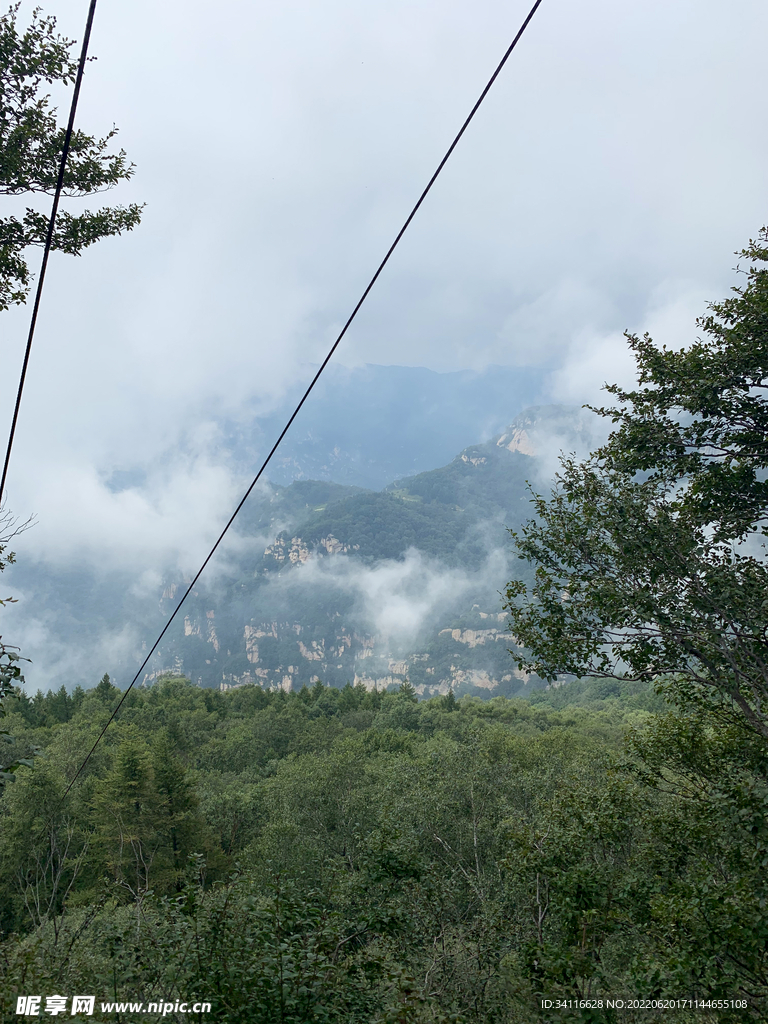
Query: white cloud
{"points": [[171, 521], [57, 659], [593, 359], [398, 599]]}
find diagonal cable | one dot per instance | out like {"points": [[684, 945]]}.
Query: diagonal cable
{"points": [[314, 381], [49, 237]]}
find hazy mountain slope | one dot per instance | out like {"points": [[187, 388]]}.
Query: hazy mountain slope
{"points": [[331, 581], [374, 586], [377, 525], [368, 425], [485, 481], [434, 511], [274, 506]]}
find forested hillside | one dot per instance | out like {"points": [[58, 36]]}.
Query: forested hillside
{"points": [[356, 856]]}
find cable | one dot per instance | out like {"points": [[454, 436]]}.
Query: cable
{"points": [[49, 237], [315, 379]]}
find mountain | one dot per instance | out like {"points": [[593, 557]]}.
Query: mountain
{"points": [[324, 580], [377, 586], [369, 425]]}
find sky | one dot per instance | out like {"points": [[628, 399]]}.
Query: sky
{"points": [[616, 166]]}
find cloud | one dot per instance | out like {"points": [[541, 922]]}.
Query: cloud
{"points": [[396, 599], [61, 650], [170, 523], [594, 359]]}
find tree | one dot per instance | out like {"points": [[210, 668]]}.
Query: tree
{"points": [[31, 143], [179, 823], [10, 659], [649, 554], [650, 566], [126, 813], [104, 690], [10, 676]]}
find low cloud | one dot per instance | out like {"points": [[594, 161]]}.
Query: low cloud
{"points": [[594, 359], [60, 655], [165, 523], [398, 599]]}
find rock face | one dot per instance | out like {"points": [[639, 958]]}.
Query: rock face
{"points": [[281, 655], [549, 429], [293, 551], [472, 637], [517, 440]]}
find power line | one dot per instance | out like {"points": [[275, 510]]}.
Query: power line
{"points": [[49, 237], [314, 381]]}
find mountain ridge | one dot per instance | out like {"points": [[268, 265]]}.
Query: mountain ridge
{"points": [[456, 515]]}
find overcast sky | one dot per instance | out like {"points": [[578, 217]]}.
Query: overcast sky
{"points": [[617, 164]]}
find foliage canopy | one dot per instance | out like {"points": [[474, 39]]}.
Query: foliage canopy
{"points": [[338, 854], [650, 567], [31, 143]]}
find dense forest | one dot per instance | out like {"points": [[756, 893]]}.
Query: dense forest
{"points": [[343, 855]]}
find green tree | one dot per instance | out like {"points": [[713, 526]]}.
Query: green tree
{"points": [[650, 566], [31, 143], [10, 676], [180, 827], [126, 813], [147, 819], [104, 690], [649, 554]]}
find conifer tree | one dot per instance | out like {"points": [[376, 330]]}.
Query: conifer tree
{"points": [[126, 809]]}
